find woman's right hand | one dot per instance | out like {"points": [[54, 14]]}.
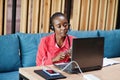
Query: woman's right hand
{"points": [[59, 57]]}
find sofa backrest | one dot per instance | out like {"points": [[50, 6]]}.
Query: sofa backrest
{"points": [[112, 43], [83, 34], [9, 53], [28, 47]]}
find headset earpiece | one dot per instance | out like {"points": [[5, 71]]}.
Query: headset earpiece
{"points": [[51, 27], [68, 26]]}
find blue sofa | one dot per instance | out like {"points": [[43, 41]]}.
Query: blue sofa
{"points": [[19, 49]]}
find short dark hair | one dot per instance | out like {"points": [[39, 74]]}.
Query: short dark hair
{"points": [[54, 16]]}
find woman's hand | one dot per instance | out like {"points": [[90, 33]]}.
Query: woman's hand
{"points": [[62, 56], [59, 57]]}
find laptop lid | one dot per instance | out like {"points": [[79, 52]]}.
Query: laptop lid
{"points": [[88, 52]]}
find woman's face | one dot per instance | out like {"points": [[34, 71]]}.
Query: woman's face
{"points": [[60, 26]]}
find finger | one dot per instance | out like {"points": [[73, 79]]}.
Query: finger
{"points": [[63, 55]]}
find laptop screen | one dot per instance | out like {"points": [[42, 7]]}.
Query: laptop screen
{"points": [[88, 52]]}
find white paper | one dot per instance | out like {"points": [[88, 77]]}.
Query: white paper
{"points": [[90, 77], [109, 62]]}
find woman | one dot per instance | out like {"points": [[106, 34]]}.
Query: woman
{"points": [[55, 47]]}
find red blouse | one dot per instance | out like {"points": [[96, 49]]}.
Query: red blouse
{"points": [[48, 49]]}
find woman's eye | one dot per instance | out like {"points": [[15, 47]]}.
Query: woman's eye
{"points": [[58, 26], [65, 25]]}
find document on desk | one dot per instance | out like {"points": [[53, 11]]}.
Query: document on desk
{"points": [[109, 62]]}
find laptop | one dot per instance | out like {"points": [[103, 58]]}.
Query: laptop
{"points": [[87, 52]]}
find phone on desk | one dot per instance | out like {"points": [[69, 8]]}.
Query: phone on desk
{"points": [[51, 72]]}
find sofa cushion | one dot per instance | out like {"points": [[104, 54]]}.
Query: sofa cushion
{"points": [[83, 34], [112, 43], [9, 75], [9, 53], [28, 47]]}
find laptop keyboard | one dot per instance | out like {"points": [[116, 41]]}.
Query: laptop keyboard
{"points": [[61, 66], [69, 69]]}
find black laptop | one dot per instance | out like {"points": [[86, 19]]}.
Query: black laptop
{"points": [[87, 52]]}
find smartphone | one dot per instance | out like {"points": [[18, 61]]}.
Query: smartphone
{"points": [[51, 72]]}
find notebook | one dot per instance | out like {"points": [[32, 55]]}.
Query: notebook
{"points": [[87, 52]]}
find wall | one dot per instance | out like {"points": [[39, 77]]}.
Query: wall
{"points": [[32, 16]]}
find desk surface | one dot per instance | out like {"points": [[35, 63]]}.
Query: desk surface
{"points": [[106, 73]]}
